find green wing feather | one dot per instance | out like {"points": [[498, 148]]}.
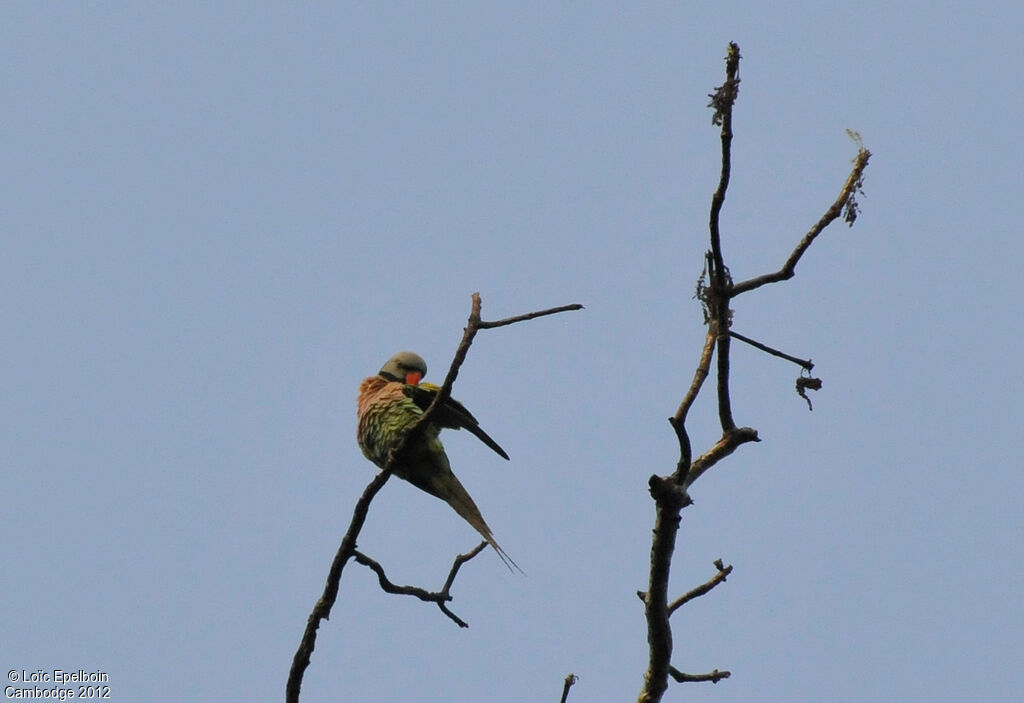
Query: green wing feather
{"points": [[452, 414]]}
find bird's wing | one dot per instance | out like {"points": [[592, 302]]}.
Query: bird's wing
{"points": [[452, 414]]}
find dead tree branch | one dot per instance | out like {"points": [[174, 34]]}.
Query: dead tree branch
{"points": [[441, 598], [717, 300], [347, 549], [570, 680], [723, 573], [485, 325], [322, 609], [726, 445], [670, 493], [846, 201], [714, 676], [678, 421], [807, 365]]}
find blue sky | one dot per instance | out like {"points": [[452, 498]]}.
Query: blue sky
{"points": [[218, 218]]}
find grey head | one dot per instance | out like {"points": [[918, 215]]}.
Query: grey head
{"points": [[406, 367]]}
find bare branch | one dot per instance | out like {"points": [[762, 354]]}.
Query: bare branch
{"points": [[322, 609], [569, 681], [460, 356], [716, 290], [441, 597], [347, 549], [721, 327], [725, 446], [485, 325], [714, 677], [723, 572], [803, 383], [670, 493], [845, 201], [698, 379], [388, 587], [723, 100], [459, 561], [473, 325], [457, 564], [807, 365], [659, 633], [678, 421]]}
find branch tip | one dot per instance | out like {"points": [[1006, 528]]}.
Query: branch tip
{"points": [[720, 577], [805, 364], [714, 676], [570, 680]]}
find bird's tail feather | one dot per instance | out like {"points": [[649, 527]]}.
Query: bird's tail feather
{"points": [[450, 490]]}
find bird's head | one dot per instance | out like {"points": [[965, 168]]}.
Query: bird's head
{"points": [[405, 367]]}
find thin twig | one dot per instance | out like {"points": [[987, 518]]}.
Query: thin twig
{"points": [[678, 421], [703, 367], [714, 676], [460, 356], [459, 561], [853, 184], [441, 597], [806, 364], [388, 587], [486, 325], [457, 564], [723, 572]]}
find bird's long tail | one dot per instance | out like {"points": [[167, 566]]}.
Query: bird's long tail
{"points": [[449, 489]]}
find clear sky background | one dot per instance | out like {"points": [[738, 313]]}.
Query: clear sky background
{"points": [[217, 218]]}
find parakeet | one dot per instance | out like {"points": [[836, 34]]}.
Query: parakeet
{"points": [[389, 404]]}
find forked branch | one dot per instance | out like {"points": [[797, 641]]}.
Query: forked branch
{"points": [[670, 493], [441, 598]]}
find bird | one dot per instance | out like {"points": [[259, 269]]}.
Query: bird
{"points": [[389, 404]]}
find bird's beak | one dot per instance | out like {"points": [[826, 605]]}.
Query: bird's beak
{"points": [[413, 378]]}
